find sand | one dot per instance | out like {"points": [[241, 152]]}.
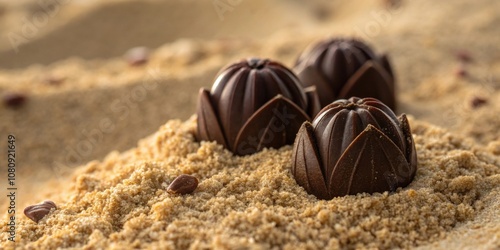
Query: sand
{"points": [[119, 199], [254, 201]]}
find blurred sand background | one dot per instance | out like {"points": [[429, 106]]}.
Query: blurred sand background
{"points": [[70, 66]]}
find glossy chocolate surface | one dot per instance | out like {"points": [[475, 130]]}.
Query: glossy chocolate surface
{"points": [[344, 68], [354, 146], [253, 104]]}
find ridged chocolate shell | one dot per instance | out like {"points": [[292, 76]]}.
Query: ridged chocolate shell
{"points": [[356, 145], [209, 128], [330, 65], [306, 166], [243, 88], [275, 124]]}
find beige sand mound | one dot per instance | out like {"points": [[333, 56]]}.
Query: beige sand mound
{"points": [[107, 30], [254, 202]]}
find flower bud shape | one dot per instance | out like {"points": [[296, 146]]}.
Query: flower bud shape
{"points": [[354, 146], [343, 68], [254, 104]]}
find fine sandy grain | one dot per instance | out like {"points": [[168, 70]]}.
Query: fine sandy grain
{"points": [[254, 202]]}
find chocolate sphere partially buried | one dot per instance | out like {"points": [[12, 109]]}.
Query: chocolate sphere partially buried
{"points": [[354, 146], [344, 68], [253, 104]]}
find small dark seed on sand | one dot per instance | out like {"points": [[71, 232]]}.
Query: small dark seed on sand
{"points": [[14, 100], [477, 102], [183, 184], [461, 72], [463, 56], [38, 211]]}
